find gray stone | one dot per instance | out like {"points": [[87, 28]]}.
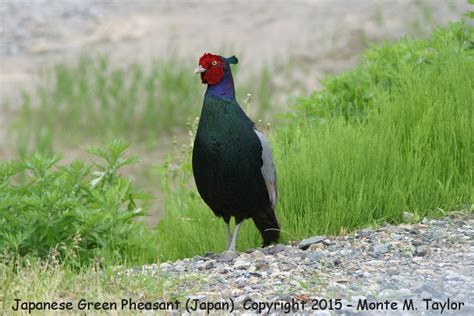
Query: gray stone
{"points": [[227, 256], [422, 251], [198, 258], [240, 264], [380, 250], [240, 299], [285, 298], [273, 250], [454, 276], [396, 236], [315, 256], [437, 234], [468, 308], [417, 265], [416, 242], [414, 231], [257, 254], [290, 251], [206, 265], [305, 243], [165, 266], [261, 265]]}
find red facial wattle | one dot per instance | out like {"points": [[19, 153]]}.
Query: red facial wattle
{"points": [[214, 68]]}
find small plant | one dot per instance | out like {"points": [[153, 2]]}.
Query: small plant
{"points": [[89, 207]]}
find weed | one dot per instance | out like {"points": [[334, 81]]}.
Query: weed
{"points": [[44, 206]]}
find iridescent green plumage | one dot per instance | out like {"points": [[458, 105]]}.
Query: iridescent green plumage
{"points": [[228, 157]]}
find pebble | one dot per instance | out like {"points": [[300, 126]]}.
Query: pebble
{"points": [[380, 250], [438, 234], [422, 251], [227, 256], [305, 243], [316, 247], [393, 262], [315, 256], [272, 250], [395, 236], [241, 264]]}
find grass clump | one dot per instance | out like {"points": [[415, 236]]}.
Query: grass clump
{"points": [[353, 93], [54, 280], [348, 160], [50, 279], [412, 151], [45, 207], [93, 99]]}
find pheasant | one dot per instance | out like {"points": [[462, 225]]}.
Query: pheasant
{"points": [[232, 160]]}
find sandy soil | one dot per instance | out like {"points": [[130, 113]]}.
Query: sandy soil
{"points": [[325, 35]]}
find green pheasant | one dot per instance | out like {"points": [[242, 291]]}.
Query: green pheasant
{"points": [[232, 160]]}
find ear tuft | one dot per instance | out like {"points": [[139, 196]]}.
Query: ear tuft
{"points": [[232, 60]]}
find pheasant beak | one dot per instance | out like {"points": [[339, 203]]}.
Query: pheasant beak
{"points": [[199, 70]]}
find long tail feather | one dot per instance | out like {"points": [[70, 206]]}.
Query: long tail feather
{"points": [[267, 224]]}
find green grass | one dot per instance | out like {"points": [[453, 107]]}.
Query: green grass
{"points": [[94, 100], [414, 154], [393, 135], [31, 279], [349, 161], [409, 148], [352, 93]]}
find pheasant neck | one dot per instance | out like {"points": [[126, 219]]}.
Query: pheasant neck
{"points": [[225, 88]]}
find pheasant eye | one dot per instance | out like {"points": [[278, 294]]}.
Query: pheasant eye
{"points": [[214, 63]]}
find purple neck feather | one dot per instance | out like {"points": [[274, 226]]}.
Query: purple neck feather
{"points": [[225, 88]]}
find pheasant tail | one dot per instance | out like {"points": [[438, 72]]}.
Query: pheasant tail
{"points": [[268, 225]]}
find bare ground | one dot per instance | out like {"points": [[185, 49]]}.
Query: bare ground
{"points": [[324, 35]]}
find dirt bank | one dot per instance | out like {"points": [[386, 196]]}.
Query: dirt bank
{"points": [[325, 35]]}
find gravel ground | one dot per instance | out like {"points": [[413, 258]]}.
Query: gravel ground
{"points": [[430, 264]]}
